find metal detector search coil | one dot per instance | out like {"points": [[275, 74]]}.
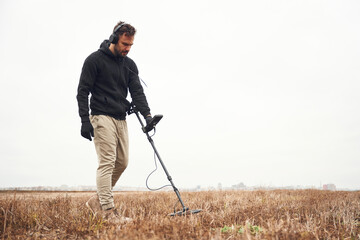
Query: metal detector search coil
{"points": [[146, 129]]}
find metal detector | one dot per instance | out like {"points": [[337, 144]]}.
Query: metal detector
{"points": [[146, 129]]}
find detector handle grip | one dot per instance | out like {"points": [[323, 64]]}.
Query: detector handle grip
{"points": [[151, 125]]}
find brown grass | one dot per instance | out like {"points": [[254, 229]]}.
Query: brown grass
{"points": [[285, 214]]}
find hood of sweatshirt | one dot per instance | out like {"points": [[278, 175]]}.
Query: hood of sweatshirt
{"points": [[104, 47]]}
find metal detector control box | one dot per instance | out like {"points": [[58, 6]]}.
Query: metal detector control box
{"points": [[150, 126]]}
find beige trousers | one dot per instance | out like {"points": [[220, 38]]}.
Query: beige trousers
{"points": [[112, 148]]}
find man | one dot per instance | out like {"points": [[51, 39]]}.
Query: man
{"points": [[108, 74]]}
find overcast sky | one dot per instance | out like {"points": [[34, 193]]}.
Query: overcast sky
{"points": [[260, 92]]}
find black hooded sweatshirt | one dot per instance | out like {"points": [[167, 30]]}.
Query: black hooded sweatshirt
{"points": [[108, 79]]}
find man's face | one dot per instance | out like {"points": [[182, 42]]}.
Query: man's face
{"points": [[124, 44]]}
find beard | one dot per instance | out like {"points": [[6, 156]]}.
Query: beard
{"points": [[120, 53]]}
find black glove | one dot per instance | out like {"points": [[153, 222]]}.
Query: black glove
{"points": [[148, 119], [87, 130]]}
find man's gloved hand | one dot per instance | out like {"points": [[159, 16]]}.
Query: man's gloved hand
{"points": [[148, 119], [87, 130]]}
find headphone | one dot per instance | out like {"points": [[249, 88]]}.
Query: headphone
{"points": [[114, 38]]}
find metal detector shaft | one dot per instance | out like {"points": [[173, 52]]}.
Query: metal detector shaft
{"points": [[161, 162]]}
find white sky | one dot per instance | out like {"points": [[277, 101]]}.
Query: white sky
{"points": [[260, 92]]}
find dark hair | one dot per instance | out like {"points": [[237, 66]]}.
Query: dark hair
{"points": [[126, 28]]}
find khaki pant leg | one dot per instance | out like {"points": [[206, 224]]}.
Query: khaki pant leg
{"points": [[122, 150], [105, 140]]}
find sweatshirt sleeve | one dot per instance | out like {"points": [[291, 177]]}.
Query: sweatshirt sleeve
{"points": [[86, 83], [137, 92]]}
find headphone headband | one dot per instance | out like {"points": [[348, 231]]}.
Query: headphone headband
{"points": [[118, 27], [114, 38]]}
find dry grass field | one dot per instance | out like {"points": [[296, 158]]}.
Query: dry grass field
{"points": [[278, 214]]}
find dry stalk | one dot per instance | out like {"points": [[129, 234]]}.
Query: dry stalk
{"points": [[5, 219]]}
